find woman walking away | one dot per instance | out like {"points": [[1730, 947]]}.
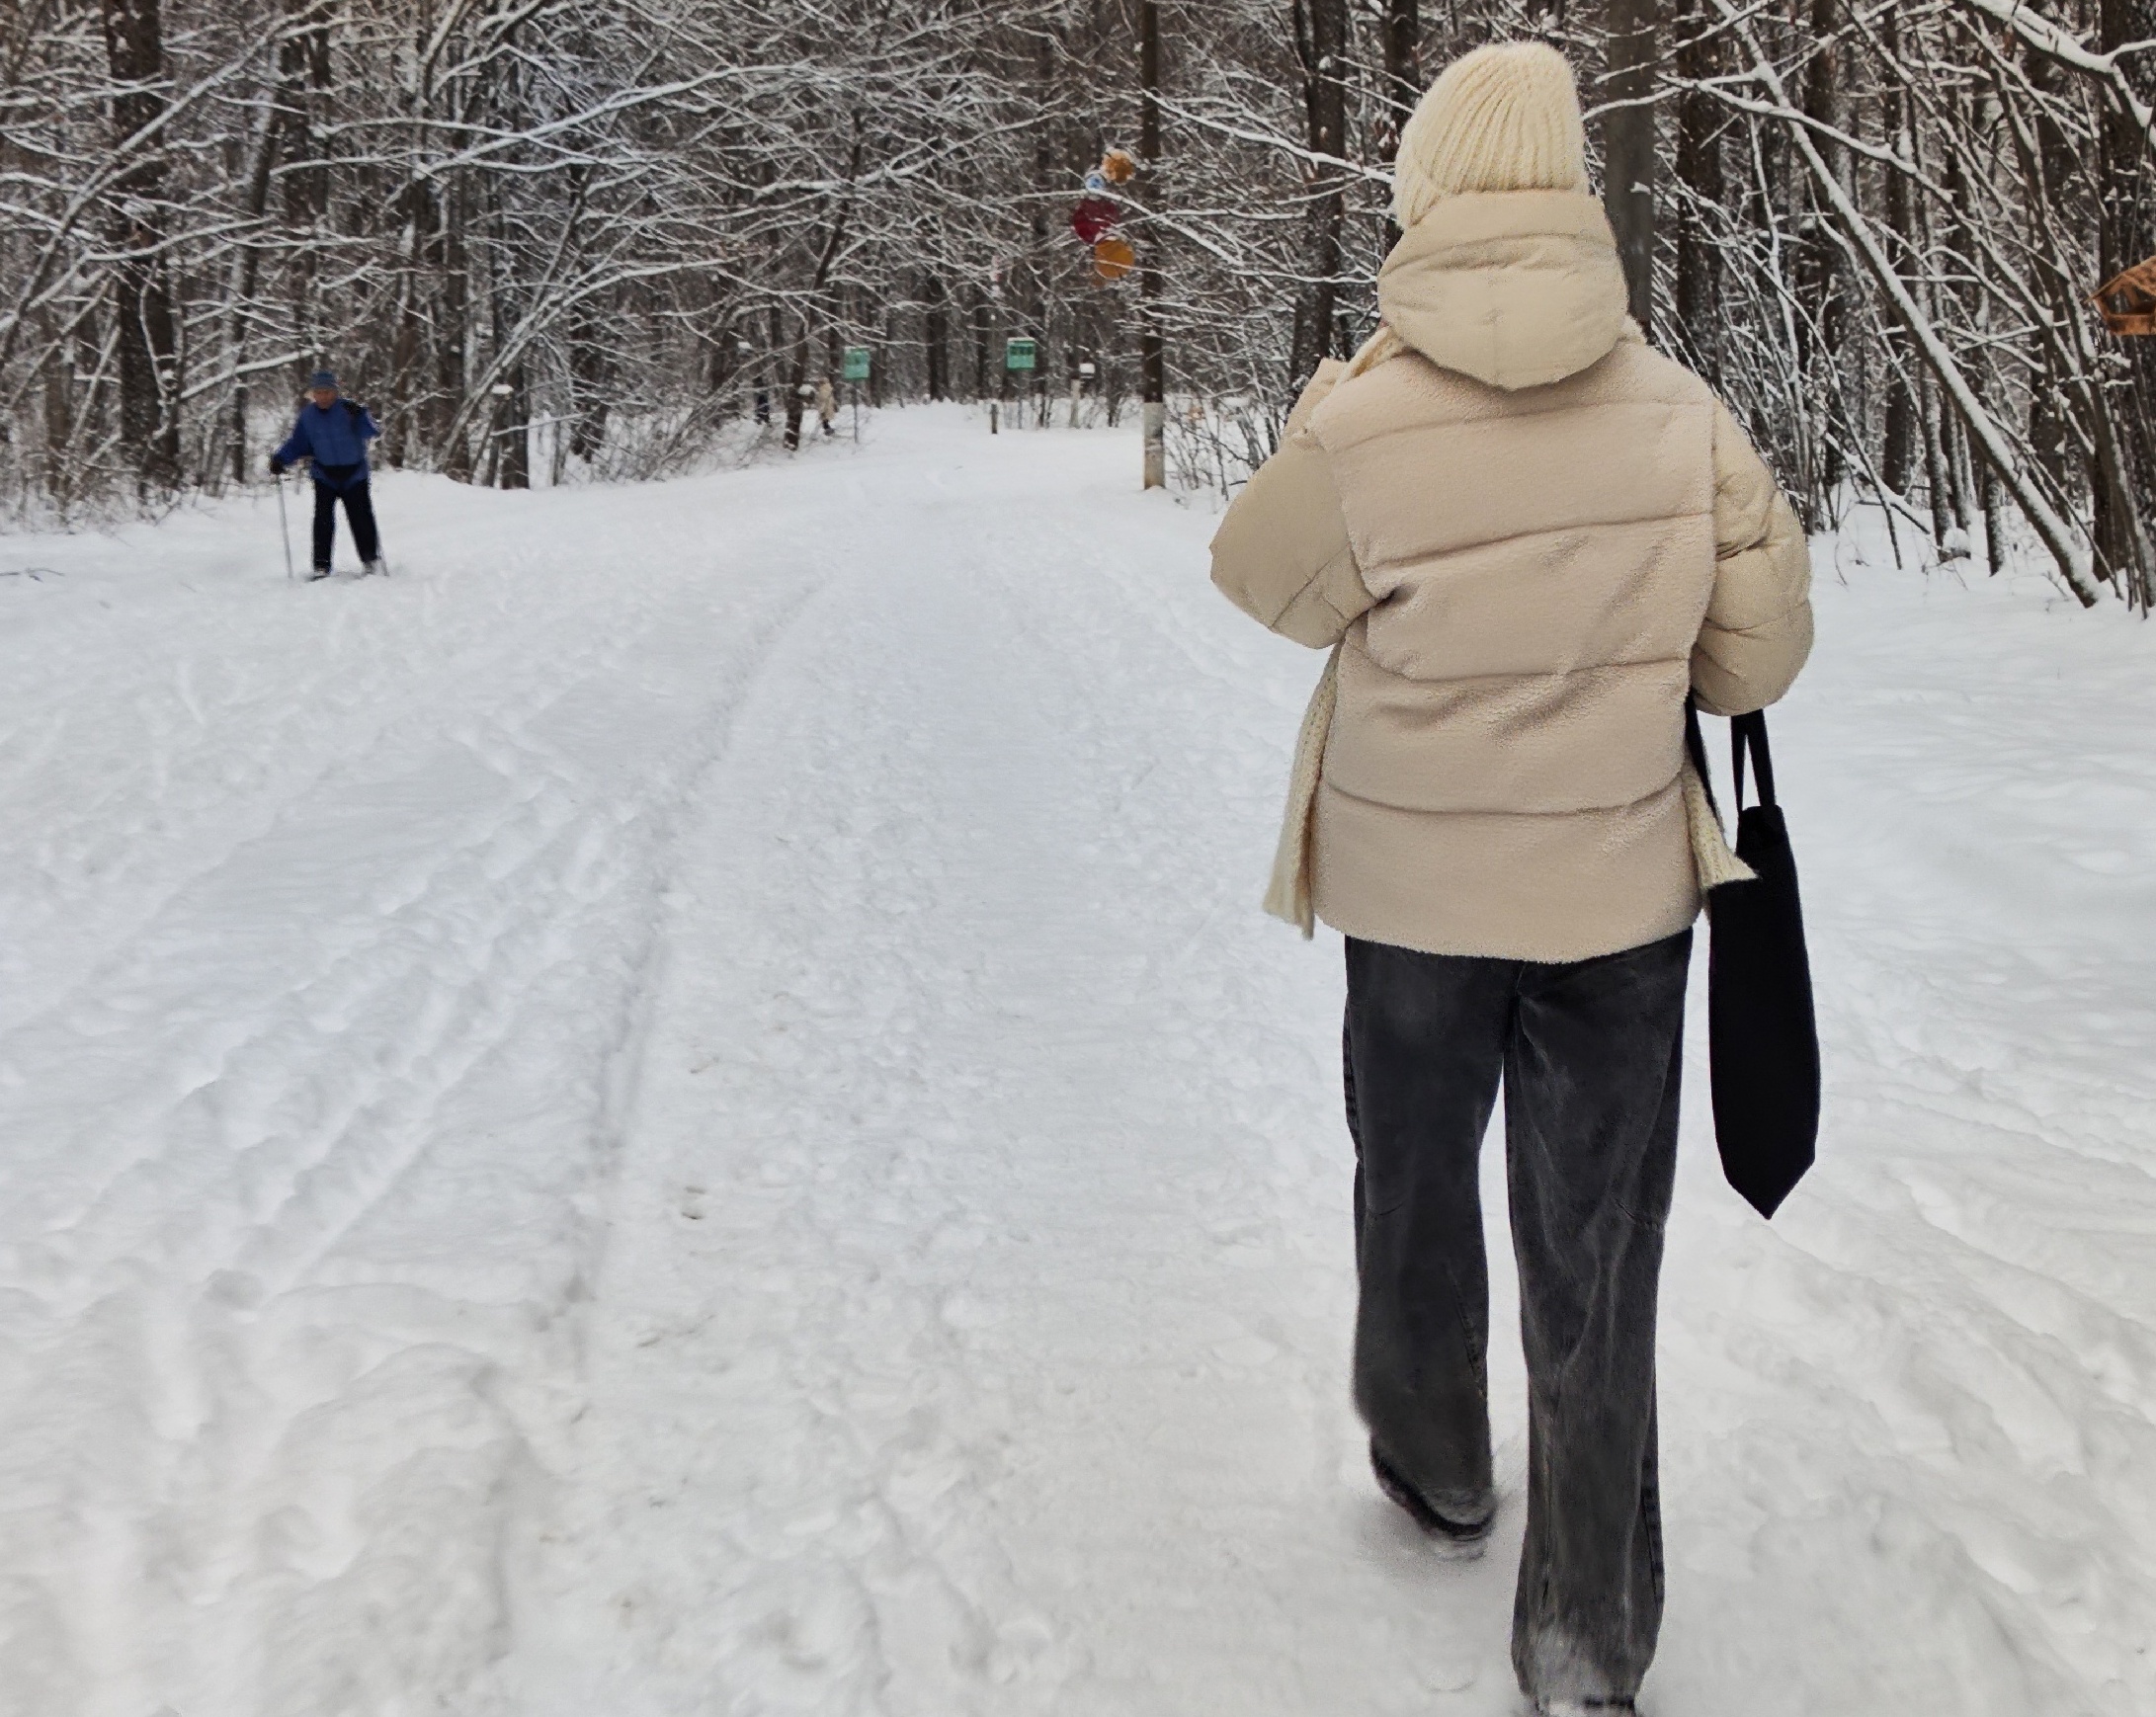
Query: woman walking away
{"points": [[334, 432], [1527, 536]]}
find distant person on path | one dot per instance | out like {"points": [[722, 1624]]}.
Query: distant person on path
{"points": [[334, 432], [1527, 536], [827, 405]]}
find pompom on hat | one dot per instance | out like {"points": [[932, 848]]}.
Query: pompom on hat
{"points": [[1504, 118]]}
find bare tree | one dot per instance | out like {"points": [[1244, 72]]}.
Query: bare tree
{"points": [[557, 238]]}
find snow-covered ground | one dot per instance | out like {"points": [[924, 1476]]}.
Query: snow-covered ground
{"points": [[686, 1108]]}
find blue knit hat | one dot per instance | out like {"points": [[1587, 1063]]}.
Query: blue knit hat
{"points": [[322, 378]]}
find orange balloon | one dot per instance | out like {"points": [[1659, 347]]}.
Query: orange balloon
{"points": [[1120, 166], [1112, 258]]}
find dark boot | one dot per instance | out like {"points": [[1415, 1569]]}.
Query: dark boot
{"points": [[1461, 1538]]}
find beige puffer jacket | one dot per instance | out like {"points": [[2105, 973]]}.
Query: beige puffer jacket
{"points": [[1530, 535]]}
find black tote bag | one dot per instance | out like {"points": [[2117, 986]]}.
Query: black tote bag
{"points": [[1763, 1038]]}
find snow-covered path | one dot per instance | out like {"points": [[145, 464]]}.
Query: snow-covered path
{"points": [[686, 1110]]}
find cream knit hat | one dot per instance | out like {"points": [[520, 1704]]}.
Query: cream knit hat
{"points": [[1504, 118]]}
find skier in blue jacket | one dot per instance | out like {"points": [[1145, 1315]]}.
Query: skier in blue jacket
{"points": [[334, 432]]}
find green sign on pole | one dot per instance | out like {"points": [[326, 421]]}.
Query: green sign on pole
{"points": [[1020, 355], [857, 363]]}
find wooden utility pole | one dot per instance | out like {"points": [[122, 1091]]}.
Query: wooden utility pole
{"points": [[1152, 355], [1627, 147]]}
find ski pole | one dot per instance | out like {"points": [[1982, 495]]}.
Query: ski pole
{"points": [[284, 525]]}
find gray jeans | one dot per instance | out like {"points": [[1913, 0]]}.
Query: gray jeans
{"points": [[1590, 1056]]}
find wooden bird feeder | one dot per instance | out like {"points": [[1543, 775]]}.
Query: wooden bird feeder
{"points": [[2128, 301]]}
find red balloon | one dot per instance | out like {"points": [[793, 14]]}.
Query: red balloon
{"points": [[1094, 219]]}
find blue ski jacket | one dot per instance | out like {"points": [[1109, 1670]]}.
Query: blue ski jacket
{"points": [[335, 440]]}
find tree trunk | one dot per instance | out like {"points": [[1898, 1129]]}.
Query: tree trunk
{"points": [[150, 383], [2125, 496], [1818, 268], [1897, 461], [512, 469], [59, 411], [307, 58], [1402, 28], [1321, 45], [591, 376], [1995, 548], [1627, 147], [796, 380], [978, 323], [936, 331], [1152, 347], [282, 127], [1935, 467], [1700, 125], [2051, 166]]}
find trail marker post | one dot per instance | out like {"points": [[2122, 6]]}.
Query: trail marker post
{"points": [[1020, 356], [856, 371]]}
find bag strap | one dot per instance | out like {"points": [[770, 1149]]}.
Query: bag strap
{"points": [[1695, 749], [1749, 733]]}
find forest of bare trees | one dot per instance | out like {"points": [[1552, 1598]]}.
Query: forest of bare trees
{"points": [[560, 238]]}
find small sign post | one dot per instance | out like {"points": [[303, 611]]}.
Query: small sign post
{"points": [[1020, 356], [856, 371]]}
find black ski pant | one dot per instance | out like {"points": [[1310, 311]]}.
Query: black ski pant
{"points": [[359, 503], [1589, 1055]]}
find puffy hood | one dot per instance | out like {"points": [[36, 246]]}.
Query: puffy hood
{"points": [[1516, 288]]}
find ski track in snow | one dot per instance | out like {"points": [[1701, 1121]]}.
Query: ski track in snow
{"points": [[686, 1108]]}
